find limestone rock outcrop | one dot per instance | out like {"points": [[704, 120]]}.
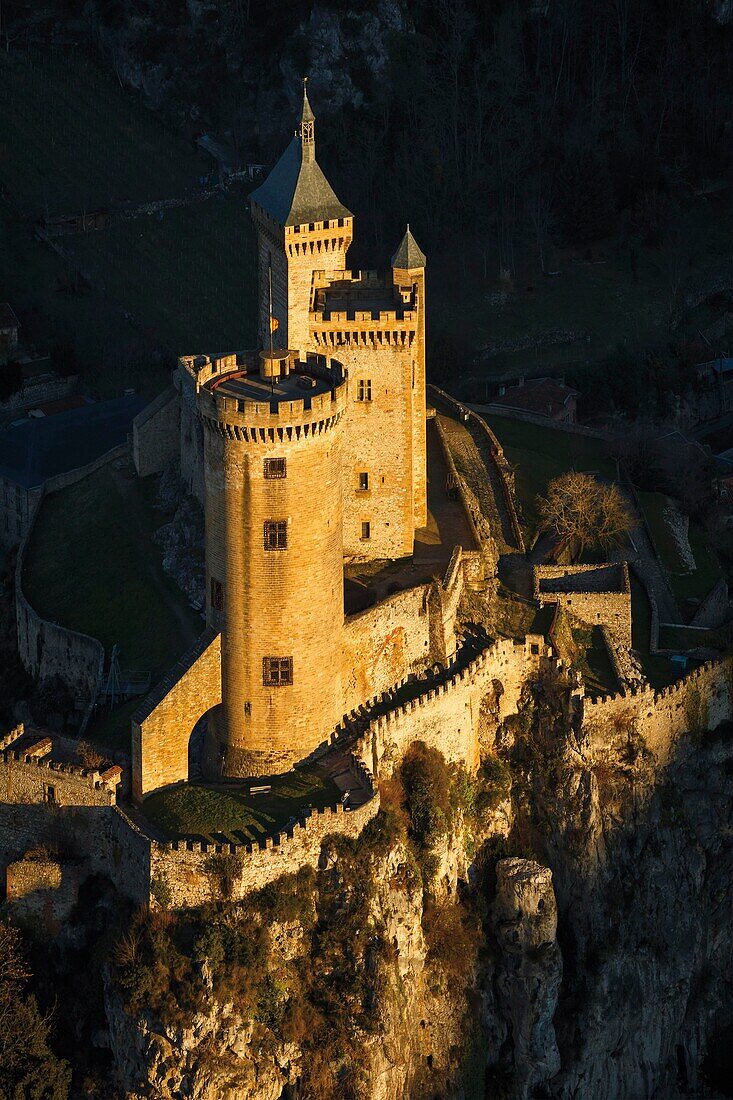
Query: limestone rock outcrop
{"points": [[529, 969]]}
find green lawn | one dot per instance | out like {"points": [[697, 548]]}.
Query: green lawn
{"points": [[540, 454], [92, 566], [231, 813]]}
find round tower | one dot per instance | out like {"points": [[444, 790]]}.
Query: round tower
{"points": [[274, 553]]}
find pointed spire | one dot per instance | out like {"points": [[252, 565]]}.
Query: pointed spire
{"points": [[409, 255], [307, 130]]}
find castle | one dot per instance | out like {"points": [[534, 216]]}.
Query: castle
{"points": [[314, 454]]}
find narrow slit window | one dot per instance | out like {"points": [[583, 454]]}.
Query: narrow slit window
{"points": [[277, 671], [276, 534], [366, 530], [217, 595]]}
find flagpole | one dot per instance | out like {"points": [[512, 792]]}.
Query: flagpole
{"points": [[269, 279]]}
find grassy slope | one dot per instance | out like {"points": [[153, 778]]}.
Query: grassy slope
{"points": [[231, 812], [539, 454], [74, 139], [685, 585], [185, 281], [601, 300], [92, 566]]}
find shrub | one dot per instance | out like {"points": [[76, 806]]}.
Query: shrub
{"points": [[426, 780], [493, 784]]}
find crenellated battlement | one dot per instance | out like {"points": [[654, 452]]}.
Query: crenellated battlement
{"points": [[699, 700], [32, 766], [228, 388]]}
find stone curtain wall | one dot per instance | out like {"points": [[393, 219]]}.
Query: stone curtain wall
{"points": [[446, 716], [156, 433], [162, 725], [701, 700], [194, 872]]}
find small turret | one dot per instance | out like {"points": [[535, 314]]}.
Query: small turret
{"points": [[409, 256]]}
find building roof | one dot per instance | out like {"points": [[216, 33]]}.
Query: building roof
{"points": [[7, 316], [296, 191], [544, 396], [409, 254], [36, 449]]}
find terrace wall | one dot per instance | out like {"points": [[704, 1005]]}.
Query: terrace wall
{"points": [[544, 421], [611, 609]]}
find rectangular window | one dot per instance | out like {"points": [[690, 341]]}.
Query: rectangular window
{"points": [[364, 389], [276, 534], [366, 530], [217, 595], [275, 467], [49, 794], [364, 482], [277, 671]]}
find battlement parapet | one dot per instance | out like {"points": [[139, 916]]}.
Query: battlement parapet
{"points": [[305, 230], [285, 414], [31, 768], [701, 699]]}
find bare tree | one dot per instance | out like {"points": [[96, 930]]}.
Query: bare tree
{"points": [[584, 512]]}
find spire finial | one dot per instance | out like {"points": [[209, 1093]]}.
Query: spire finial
{"points": [[307, 126]]}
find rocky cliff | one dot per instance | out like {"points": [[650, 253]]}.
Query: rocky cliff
{"points": [[561, 928]]}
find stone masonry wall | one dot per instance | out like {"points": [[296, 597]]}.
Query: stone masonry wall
{"points": [[193, 872], [403, 633], [156, 433], [41, 893], [162, 725], [446, 716], [611, 609], [100, 837], [384, 643], [701, 700]]}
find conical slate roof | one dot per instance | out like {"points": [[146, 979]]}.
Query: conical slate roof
{"points": [[296, 191], [409, 254]]}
